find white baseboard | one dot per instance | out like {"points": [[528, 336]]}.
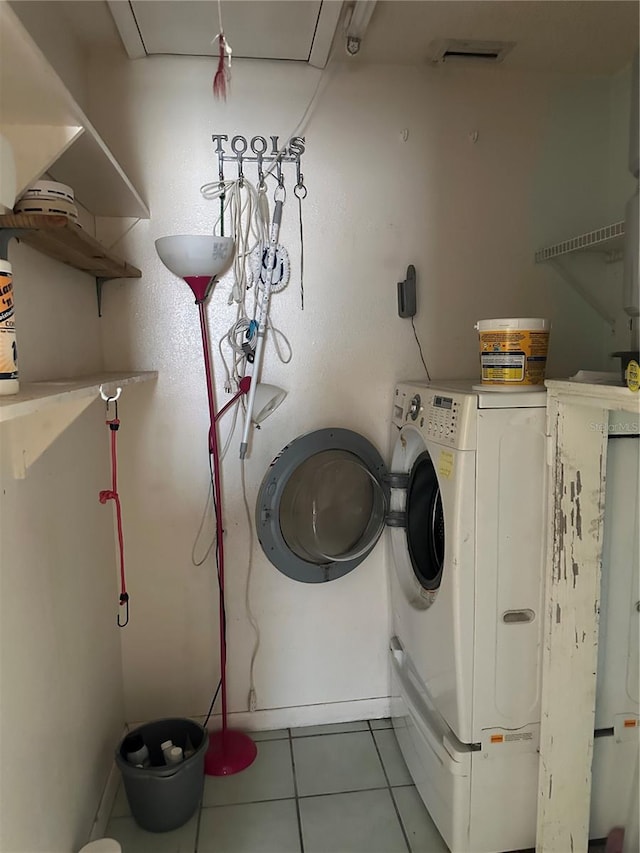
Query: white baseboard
{"points": [[107, 800], [298, 715], [305, 715]]}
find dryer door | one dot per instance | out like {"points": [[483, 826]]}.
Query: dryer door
{"points": [[322, 505]]}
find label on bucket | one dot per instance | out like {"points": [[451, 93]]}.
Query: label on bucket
{"points": [[514, 356], [503, 367], [8, 356]]}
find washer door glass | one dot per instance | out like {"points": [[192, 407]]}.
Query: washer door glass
{"points": [[331, 508], [425, 523], [322, 505]]}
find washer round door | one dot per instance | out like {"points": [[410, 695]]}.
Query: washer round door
{"points": [[418, 549], [322, 505]]}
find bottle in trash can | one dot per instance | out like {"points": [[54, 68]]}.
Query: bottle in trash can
{"points": [[188, 748], [136, 751], [166, 747], [174, 755]]}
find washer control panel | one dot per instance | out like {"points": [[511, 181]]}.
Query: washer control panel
{"points": [[444, 416]]}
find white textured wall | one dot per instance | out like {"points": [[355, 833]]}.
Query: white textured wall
{"points": [[467, 215], [621, 186], [48, 29], [583, 183], [60, 668]]}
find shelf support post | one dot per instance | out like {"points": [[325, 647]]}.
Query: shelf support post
{"points": [[99, 282], [7, 234], [573, 281]]}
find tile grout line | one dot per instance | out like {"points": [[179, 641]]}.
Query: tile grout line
{"points": [[301, 797], [395, 805], [200, 807], [295, 791]]}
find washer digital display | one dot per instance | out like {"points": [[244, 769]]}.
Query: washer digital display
{"points": [[443, 402]]}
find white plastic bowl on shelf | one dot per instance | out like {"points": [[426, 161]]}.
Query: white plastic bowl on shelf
{"points": [[49, 189], [47, 207]]}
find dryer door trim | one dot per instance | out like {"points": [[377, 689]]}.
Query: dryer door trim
{"points": [[322, 505]]}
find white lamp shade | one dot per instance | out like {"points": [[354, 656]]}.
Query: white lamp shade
{"points": [[196, 255], [266, 400]]}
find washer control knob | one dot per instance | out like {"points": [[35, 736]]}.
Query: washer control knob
{"points": [[414, 407]]}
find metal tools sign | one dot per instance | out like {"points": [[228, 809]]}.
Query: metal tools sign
{"points": [[258, 147], [258, 150]]}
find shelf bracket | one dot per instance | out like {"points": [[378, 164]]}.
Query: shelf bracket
{"points": [[573, 281], [99, 282], [6, 235]]}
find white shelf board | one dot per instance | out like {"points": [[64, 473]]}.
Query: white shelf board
{"points": [[35, 397], [581, 390], [35, 101], [608, 240]]}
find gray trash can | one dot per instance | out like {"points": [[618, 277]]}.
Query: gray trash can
{"points": [[163, 797]]}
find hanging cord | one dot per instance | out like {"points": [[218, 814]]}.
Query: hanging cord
{"points": [[276, 333], [249, 214], [301, 249], [112, 495], [253, 698], [194, 560], [300, 192], [424, 364], [223, 608], [213, 702]]}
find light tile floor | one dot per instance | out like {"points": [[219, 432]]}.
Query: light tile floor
{"points": [[319, 789]]}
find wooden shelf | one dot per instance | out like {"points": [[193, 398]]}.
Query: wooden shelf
{"points": [[63, 240], [49, 131], [31, 420]]}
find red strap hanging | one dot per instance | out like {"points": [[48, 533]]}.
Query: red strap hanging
{"points": [[223, 72], [112, 495], [221, 77]]}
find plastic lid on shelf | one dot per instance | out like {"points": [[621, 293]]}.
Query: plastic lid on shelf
{"points": [[48, 189]]}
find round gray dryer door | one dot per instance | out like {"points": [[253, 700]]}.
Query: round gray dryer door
{"points": [[322, 505]]}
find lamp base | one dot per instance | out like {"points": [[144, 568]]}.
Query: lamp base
{"points": [[229, 752]]}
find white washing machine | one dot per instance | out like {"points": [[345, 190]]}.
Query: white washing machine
{"points": [[467, 581], [615, 748], [466, 506]]}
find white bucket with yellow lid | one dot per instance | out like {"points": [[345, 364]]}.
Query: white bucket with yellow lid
{"points": [[513, 352]]}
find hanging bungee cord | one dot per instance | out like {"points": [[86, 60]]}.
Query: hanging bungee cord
{"points": [[112, 495]]}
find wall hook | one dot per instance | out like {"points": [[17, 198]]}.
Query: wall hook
{"points": [[124, 599], [110, 398]]}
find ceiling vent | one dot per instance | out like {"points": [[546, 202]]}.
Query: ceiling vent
{"points": [[450, 50]]}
